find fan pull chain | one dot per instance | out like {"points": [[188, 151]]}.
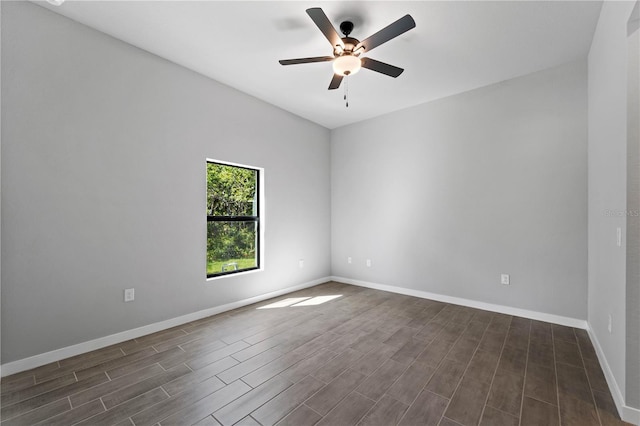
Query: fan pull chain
{"points": [[346, 91]]}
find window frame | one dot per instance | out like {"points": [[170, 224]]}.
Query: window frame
{"points": [[257, 220]]}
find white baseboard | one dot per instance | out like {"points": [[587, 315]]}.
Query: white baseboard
{"points": [[91, 345], [540, 316], [628, 414]]}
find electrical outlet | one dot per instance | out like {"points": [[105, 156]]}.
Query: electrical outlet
{"points": [[129, 294], [301, 263], [368, 263], [504, 279], [349, 259], [609, 325]]}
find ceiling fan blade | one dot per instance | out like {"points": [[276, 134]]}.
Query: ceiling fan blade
{"points": [[381, 67], [389, 32], [306, 60], [321, 20], [335, 81]]}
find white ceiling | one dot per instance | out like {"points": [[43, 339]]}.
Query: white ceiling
{"points": [[456, 46]]}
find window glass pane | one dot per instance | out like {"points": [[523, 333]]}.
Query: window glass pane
{"points": [[231, 246], [231, 191]]}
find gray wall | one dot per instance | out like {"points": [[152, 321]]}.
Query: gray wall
{"points": [[103, 185], [607, 183], [446, 196], [0, 189], [633, 207]]}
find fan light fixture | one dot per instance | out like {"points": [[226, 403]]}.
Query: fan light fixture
{"points": [[346, 65], [347, 50]]}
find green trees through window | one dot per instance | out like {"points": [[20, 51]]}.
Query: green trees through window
{"points": [[232, 219]]}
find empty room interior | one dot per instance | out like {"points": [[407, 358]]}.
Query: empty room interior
{"points": [[230, 212]]}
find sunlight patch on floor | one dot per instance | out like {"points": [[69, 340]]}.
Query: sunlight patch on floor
{"points": [[300, 301], [318, 300]]}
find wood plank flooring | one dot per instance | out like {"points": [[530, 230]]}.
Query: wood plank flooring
{"points": [[365, 358]]}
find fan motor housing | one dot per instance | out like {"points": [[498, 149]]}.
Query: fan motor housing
{"points": [[346, 27], [350, 44]]}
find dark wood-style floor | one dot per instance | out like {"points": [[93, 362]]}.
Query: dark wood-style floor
{"points": [[365, 358]]}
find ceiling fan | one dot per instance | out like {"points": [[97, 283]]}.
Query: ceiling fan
{"points": [[347, 50]]}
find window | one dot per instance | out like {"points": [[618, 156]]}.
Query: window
{"points": [[233, 219]]}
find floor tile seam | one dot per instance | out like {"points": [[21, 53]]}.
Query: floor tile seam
{"points": [[140, 411], [342, 399], [430, 342], [103, 404], [429, 322], [575, 342], [56, 400], [106, 372], [278, 373], [495, 371], [434, 372], [573, 365], [462, 377], [451, 420], [16, 377], [190, 404], [174, 396], [205, 344], [394, 382], [68, 371], [268, 337], [526, 370], [540, 400], [593, 397], [140, 341], [364, 396], [44, 421], [375, 403], [291, 384], [299, 404], [235, 378], [332, 408], [555, 369], [37, 394], [336, 405], [36, 408], [256, 420], [370, 408], [304, 403], [172, 346], [380, 366], [230, 338]]}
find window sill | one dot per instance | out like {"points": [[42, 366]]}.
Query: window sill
{"points": [[219, 277]]}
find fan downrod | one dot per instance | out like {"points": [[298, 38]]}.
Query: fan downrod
{"points": [[346, 27]]}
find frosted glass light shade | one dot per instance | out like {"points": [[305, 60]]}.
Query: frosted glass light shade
{"points": [[346, 65]]}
